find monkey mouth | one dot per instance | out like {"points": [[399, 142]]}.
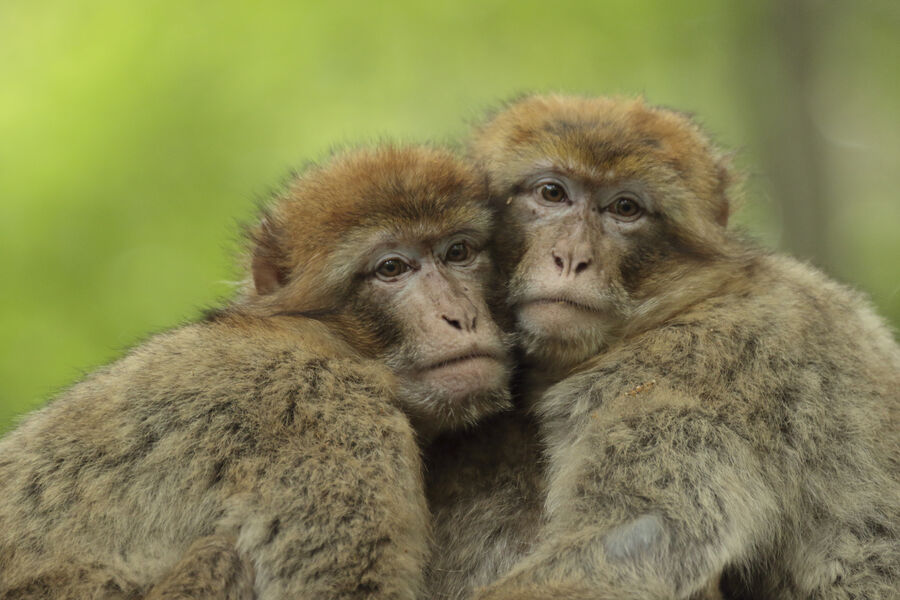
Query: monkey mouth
{"points": [[562, 300], [461, 358]]}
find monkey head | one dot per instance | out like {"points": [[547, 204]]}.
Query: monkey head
{"points": [[388, 248], [607, 206]]}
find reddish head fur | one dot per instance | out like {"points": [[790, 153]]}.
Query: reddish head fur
{"points": [[608, 139], [307, 240]]}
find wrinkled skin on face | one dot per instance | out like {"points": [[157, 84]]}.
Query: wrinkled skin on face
{"points": [[604, 205], [390, 249], [451, 356]]}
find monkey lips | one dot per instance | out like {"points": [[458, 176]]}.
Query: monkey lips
{"points": [[468, 373], [559, 316]]}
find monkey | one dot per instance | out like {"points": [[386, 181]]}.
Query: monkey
{"points": [[705, 408], [272, 449]]}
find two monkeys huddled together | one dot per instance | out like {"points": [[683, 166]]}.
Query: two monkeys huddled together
{"points": [[545, 370]]}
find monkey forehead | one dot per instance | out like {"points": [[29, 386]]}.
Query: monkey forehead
{"points": [[593, 138], [414, 192]]}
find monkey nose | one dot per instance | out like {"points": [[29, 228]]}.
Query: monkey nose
{"points": [[568, 264], [463, 323]]}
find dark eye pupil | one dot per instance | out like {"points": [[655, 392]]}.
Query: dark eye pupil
{"points": [[390, 268], [626, 207], [552, 192], [457, 252]]}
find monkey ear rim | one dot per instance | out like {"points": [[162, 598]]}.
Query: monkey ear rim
{"points": [[267, 266], [723, 215], [267, 276]]}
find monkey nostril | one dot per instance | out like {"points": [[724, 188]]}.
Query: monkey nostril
{"points": [[558, 261], [582, 266], [453, 322]]}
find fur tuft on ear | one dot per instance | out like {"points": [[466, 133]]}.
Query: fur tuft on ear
{"points": [[268, 267]]}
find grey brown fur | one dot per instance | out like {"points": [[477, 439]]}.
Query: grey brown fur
{"points": [[712, 410], [277, 446], [264, 452], [486, 491]]}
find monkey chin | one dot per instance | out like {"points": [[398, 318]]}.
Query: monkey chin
{"points": [[561, 334], [456, 395]]}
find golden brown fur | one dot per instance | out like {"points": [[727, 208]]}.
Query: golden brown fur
{"points": [[270, 445], [704, 407]]}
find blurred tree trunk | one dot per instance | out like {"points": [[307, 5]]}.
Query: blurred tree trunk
{"points": [[777, 46]]}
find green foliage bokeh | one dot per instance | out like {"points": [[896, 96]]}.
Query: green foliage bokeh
{"points": [[136, 136]]}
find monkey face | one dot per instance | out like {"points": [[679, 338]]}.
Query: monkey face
{"points": [[449, 354], [605, 204], [386, 247], [567, 287]]}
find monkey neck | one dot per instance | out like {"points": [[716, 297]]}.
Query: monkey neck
{"points": [[687, 287], [534, 378]]}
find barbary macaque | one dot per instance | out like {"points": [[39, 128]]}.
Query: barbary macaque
{"points": [[271, 450], [702, 407]]}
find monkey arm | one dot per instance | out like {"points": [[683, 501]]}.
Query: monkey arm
{"points": [[311, 533], [649, 499], [304, 461], [333, 504], [211, 568]]}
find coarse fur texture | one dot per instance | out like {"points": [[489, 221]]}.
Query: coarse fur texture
{"points": [[705, 408], [486, 491], [270, 451]]}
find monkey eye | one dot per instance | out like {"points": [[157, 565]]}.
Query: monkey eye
{"points": [[459, 252], [626, 208], [553, 192], [391, 268]]}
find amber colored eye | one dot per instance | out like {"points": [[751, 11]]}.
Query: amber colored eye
{"points": [[626, 208], [390, 268], [458, 252], [553, 192]]}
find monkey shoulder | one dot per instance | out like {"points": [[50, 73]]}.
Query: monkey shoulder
{"points": [[189, 418], [203, 391], [785, 334], [295, 387], [204, 368]]}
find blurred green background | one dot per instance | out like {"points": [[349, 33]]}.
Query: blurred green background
{"points": [[136, 136]]}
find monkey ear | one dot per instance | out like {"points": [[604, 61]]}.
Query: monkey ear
{"points": [[267, 266]]}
